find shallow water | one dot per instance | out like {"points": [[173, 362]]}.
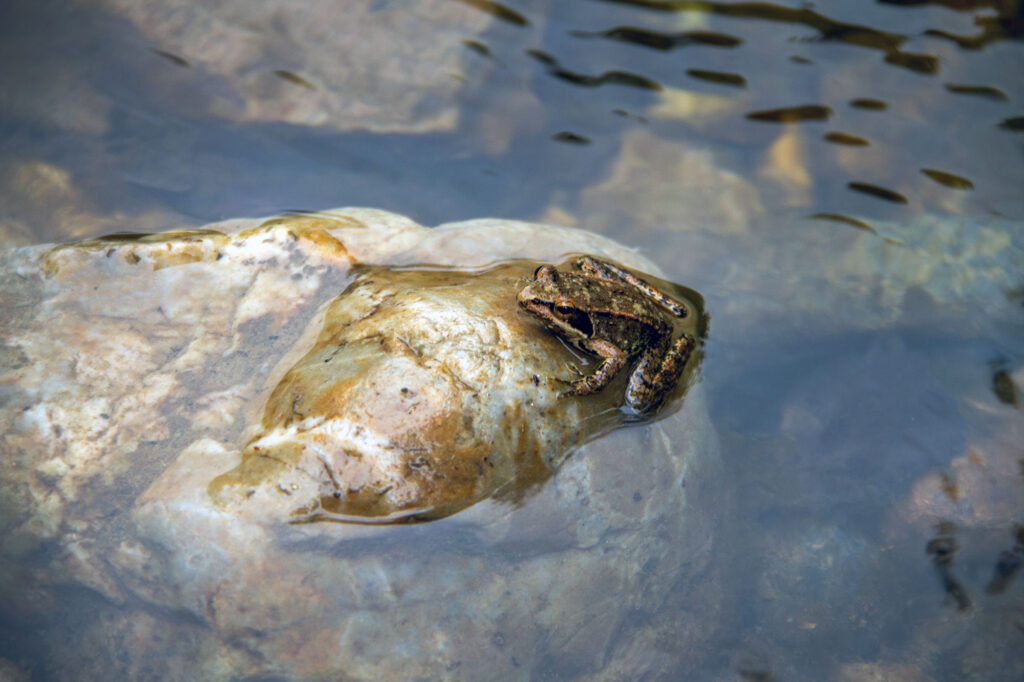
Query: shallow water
{"points": [[840, 181]]}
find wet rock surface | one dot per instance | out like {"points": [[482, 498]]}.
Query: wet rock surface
{"points": [[184, 406]]}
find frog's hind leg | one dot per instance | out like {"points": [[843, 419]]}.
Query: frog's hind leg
{"points": [[644, 393], [614, 273]]}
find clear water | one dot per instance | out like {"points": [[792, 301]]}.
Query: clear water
{"points": [[841, 181]]}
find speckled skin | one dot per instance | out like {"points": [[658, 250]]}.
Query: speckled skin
{"points": [[610, 312]]}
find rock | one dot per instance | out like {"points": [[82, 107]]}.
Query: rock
{"points": [[357, 66], [166, 461], [420, 395]]}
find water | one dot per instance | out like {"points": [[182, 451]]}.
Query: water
{"points": [[841, 181]]}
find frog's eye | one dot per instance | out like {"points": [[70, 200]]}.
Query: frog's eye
{"points": [[564, 310], [545, 273]]}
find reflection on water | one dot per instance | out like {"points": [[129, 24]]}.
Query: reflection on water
{"points": [[841, 179]]}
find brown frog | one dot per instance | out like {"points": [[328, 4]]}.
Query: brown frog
{"points": [[614, 314]]}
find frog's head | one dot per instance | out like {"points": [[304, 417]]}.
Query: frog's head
{"points": [[550, 298]]}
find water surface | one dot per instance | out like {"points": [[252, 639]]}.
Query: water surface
{"points": [[840, 180]]}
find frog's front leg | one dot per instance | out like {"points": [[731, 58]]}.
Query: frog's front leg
{"points": [[655, 375], [606, 270], [612, 361]]}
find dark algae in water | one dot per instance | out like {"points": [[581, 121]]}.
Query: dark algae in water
{"points": [[1014, 124], [983, 91], [805, 112], [1009, 564], [948, 179], [587, 81], [719, 77], [829, 30], [295, 78], [943, 549], [171, 57], [662, 41], [498, 11], [570, 138], [1003, 386], [853, 222], [478, 47], [846, 139], [869, 104], [879, 192]]}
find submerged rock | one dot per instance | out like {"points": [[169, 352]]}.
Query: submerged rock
{"points": [[184, 406], [358, 66]]}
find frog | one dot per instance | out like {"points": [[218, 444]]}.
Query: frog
{"points": [[603, 309]]}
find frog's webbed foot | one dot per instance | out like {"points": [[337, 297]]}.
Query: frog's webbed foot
{"points": [[613, 273], [570, 382], [644, 393], [612, 361]]}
